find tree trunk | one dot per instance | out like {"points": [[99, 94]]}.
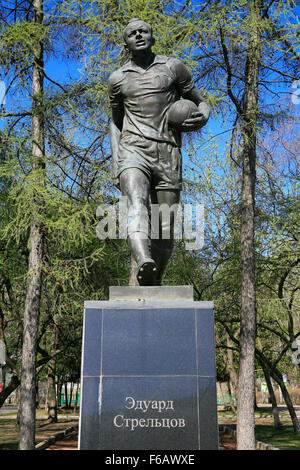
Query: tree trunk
{"points": [[277, 376], [66, 395], [275, 412], [51, 391], [288, 403], [233, 378], [71, 394], [59, 393], [232, 405], [34, 279], [37, 394], [31, 322], [9, 388], [246, 386], [76, 395]]}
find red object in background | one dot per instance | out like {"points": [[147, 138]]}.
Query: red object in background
{"points": [[1, 386]]}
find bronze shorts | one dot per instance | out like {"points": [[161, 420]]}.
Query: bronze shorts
{"points": [[160, 161]]}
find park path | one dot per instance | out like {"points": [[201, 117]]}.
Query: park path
{"points": [[70, 442]]}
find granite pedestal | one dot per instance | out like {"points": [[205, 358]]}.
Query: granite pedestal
{"points": [[148, 371]]}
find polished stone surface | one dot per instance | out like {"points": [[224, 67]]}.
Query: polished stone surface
{"points": [[148, 342], [148, 376], [163, 293], [183, 391]]}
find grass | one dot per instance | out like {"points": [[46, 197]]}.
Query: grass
{"points": [[9, 431], [283, 438], [8, 434], [258, 413]]}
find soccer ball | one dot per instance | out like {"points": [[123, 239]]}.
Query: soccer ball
{"points": [[179, 112]]}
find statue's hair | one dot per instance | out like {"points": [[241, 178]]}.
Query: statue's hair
{"points": [[134, 20]]}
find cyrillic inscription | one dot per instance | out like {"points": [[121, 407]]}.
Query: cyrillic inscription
{"points": [[121, 421]]}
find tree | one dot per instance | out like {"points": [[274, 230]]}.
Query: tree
{"points": [[51, 386], [246, 381], [36, 241], [26, 178], [238, 51], [244, 40], [278, 259]]}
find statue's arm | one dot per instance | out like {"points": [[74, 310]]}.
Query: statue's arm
{"points": [[187, 89], [115, 129], [199, 119]]}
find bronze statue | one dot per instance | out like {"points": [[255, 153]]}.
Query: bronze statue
{"points": [[146, 151]]}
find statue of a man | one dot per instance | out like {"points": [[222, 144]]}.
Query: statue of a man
{"points": [[146, 153]]}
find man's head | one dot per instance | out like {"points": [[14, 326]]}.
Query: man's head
{"points": [[138, 35]]}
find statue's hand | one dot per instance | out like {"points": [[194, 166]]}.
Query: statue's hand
{"points": [[197, 120]]}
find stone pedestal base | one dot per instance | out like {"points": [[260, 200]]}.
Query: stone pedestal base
{"points": [[148, 371]]}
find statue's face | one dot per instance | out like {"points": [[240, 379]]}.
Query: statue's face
{"points": [[138, 36]]}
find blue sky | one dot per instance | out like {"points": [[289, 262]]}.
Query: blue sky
{"points": [[60, 71]]}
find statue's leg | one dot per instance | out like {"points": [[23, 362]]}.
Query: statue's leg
{"points": [[135, 185], [162, 247]]}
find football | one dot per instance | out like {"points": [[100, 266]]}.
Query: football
{"points": [[179, 112]]}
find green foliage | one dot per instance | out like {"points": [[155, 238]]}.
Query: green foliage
{"points": [[17, 42], [212, 39]]}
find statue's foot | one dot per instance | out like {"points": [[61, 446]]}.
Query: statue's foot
{"points": [[146, 272]]}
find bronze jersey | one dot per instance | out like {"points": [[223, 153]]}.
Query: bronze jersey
{"points": [[146, 95]]}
